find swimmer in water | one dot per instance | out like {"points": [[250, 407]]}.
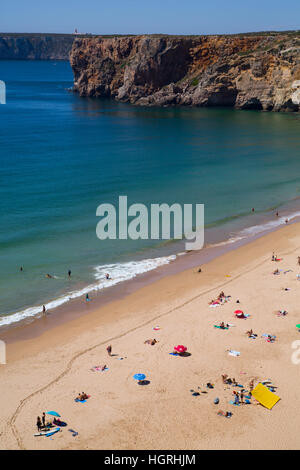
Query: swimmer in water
{"points": [[48, 276], [107, 276]]}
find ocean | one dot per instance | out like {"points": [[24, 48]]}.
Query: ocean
{"points": [[62, 156]]}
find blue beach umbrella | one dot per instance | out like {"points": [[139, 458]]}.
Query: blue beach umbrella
{"points": [[53, 413], [139, 377]]}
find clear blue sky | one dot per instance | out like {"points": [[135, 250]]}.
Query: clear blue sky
{"points": [[151, 16]]}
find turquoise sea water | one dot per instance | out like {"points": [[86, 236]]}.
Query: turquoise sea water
{"points": [[62, 155]]}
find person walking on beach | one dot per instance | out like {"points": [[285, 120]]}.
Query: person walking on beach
{"points": [[44, 419], [299, 260], [39, 423], [236, 398], [108, 349], [251, 386]]}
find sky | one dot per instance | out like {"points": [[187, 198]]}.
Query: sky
{"points": [[151, 16]]}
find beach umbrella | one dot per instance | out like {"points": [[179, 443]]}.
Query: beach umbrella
{"points": [[180, 348], [239, 311], [53, 413], [139, 377], [298, 326]]}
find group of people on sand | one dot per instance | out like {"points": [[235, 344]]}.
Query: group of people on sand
{"points": [[275, 257], [222, 298], [41, 423], [82, 396]]}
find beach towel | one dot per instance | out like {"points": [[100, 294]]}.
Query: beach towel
{"points": [[232, 352], [224, 328], [99, 369], [264, 396]]}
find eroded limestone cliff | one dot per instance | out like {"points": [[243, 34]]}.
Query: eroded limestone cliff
{"points": [[247, 72]]}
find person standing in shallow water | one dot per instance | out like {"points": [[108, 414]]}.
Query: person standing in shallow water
{"points": [[69, 273]]}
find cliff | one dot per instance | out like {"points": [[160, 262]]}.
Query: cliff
{"points": [[253, 71], [35, 46]]}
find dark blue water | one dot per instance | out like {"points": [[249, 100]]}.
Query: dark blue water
{"points": [[62, 156]]}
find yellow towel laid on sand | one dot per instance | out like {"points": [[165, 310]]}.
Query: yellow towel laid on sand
{"points": [[264, 396]]}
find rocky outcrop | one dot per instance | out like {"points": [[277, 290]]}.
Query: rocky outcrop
{"points": [[247, 72], [35, 46]]}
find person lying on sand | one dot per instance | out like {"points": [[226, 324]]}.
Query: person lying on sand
{"points": [[271, 339], [250, 334], [151, 341], [57, 421], [223, 326], [281, 313], [227, 380], [224, 378], [276, 271], [228, 414]]}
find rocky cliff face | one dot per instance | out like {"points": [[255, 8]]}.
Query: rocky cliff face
{"points": [[35, 46], [247, 72]]}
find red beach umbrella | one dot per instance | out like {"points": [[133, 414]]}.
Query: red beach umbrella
{"points": [[238, 311], [180, 348]]}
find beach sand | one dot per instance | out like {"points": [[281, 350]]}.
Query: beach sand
{"points": [[47, 372]]}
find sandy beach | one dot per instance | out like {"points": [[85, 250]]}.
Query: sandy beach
{"points": [[48, 371]]}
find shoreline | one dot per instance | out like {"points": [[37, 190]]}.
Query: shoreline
{"points": [[73, 309], [57, 363]]}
